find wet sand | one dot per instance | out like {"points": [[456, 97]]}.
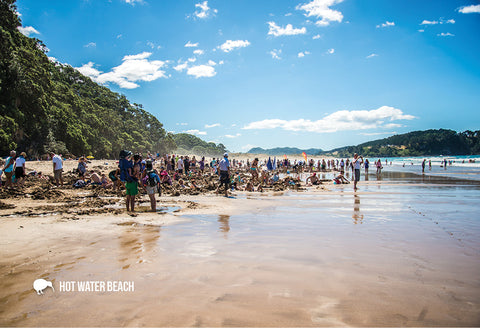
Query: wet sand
{"points": [[399, 252]]}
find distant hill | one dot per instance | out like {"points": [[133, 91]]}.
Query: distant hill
{"points": [[417, 143], [284, 151], [189, 143]]}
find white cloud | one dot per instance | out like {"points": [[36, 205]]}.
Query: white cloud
{"points": [[192, 60], [330, 51], [202, 71], [315, 37], [288, 15], [232, 136], [204, 11], [386, 24], [28, 30], [372, 55], [134, 68], [209, 126], [339, 121], [181, 67], [321, 9], [198, 52], [435, 22], [276, 30], [275, 53], [426, 22], [445, 34], [303, 54], [132, 2], [196, 132], [212, 63], [470, 9], [191, 45], [90, 45], [230, 45], [119, 36], [182, 124], [421, 31]]}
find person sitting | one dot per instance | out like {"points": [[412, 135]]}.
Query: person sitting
{"points": [[340, 179], [313, 180]]}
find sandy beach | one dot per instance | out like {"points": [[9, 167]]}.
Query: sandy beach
{"points": [[402, 251]]}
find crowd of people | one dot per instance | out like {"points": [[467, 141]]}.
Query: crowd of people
{"points": [[151, 174]]}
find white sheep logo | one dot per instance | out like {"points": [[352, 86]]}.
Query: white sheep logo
{"points": [[40, 284]]}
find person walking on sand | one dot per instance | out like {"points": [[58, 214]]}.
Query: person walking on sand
{"points": [[8, 168], [20, 169], [356, 163], [57, 168], [224, 168]]}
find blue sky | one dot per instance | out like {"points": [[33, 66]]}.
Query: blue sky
{"points": [[275, 73]]}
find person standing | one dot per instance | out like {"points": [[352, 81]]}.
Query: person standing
{"points": [[152, 184], [20, 169], [423, 166], [224, 168], [180, 165], [366, 165], [356, 164], [57, 168], [8, 168]]}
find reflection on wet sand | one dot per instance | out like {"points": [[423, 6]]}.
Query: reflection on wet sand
{"points": [[357, 216], [224, 224], [136, 241]]}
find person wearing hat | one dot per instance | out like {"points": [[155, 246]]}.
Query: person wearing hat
{"points": [[224, 168]]}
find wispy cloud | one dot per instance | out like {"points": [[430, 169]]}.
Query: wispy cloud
{"points": [[386, 24], [436, 22], [132, 2], [196, 132], [209, 126], [203, 11], [321, 9], [134, 68], [230, 136], [90, 45], [316, 37], [276, 30], [445, 34], [330, 51], [470, 9], [343, 120], [191, 45], [275, 53], [230, 45], [377, 133], [372, 55], [198, 52], [28, 30]]}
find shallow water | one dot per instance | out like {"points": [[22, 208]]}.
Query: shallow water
{"points": [[400, 252]]}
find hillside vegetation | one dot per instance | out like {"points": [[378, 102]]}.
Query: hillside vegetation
{"points": [[417, 143], [46, 105]]}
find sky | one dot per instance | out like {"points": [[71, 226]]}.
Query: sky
{"points": [[276, 73]]}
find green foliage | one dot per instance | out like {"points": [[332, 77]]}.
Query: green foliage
{"points": [[49, 106], [190, 143], [417, 143]]}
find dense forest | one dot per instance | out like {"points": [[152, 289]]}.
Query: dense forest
{"points": [[417, 143], [48, 106]]}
